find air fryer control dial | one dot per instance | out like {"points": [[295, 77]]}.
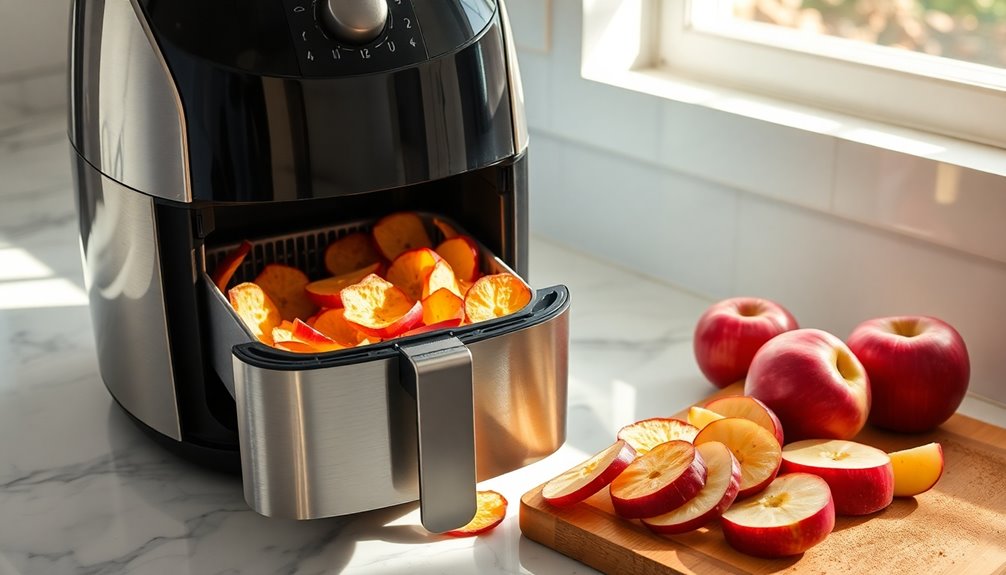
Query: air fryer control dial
{"points": [[353, 21]]}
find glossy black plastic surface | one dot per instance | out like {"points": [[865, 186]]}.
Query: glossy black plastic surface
{"points": [[254, 138]]}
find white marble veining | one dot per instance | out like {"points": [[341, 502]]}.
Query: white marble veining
{"points": [[82, 490]]}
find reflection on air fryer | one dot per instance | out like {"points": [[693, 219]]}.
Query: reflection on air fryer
{"points": [[365, 299]]}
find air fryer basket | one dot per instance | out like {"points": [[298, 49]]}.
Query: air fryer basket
{"points": [[432, 413]]}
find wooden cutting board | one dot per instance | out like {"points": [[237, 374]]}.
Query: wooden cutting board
{"points": [[959, 526]]}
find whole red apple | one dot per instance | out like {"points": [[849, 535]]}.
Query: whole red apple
{"points": [[730, 332], [813, 383], [918, 367]]}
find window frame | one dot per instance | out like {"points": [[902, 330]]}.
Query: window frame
{"points": [[952, 98]]}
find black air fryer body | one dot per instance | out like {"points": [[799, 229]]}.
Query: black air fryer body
{"points": [[195, 124]]}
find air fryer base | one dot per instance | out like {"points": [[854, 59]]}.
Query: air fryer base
{"points": [[218, 459]]}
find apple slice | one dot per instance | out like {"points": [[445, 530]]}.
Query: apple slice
{"points": [[646, 434], [445, 228], [443, 305], [285, 286], [328, 292], [659, 481], [400, 232], [379, 309], [723, 480], [590, 476], [747, 407], [311, 336], [916, 470], [861, 477], [255, 309], [441, 277], [446, 324], [228, 266], [495, 296], [793, 514], [757, 450], [332, 323], [283, 332], [350, 252], [410, 269], [701, 417], [463, 254], [489, 512]]}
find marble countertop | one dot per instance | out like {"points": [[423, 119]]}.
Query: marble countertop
{"points": [[82, 490]]}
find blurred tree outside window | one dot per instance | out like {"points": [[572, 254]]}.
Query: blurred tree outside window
{"points": [[967, 30]]}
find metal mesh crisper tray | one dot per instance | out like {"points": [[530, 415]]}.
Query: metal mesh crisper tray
{"points": [[305, 250]]}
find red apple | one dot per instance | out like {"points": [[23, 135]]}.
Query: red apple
{"points": [[793, 514], [659, 481], [916, 470], [814, 384], [723, 480], [918, 368], [754, 447], [646, 434], [730, 332], [861, 477], [747, 407], [590, 476]]}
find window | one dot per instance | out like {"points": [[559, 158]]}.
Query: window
{"points": [[935, 65]]}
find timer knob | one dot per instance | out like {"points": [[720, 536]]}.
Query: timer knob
{"points": [[354, 21]]}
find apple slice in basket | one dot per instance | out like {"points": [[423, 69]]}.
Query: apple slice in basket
{"points": [[793, 514], [646, 434], [489, 512], [400, 232], [462, 253], [327, 293], [861, 477], [747, 407], [410, 269], [755, 448], [590, 476], [494, 296], [285, 286], [255, 309], [723, 480], [350, 252], [916, 470], [229, 265], [379, 309], [661, 480]]}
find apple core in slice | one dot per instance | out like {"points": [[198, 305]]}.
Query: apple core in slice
{"points": [[860, 476], [794, 513], [661, 480], [723, 479], [916, 470], [755, 448], [646, 434], [590, 476]]}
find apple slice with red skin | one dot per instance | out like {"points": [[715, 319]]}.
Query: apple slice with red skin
{"points": [[328, 292], [311, 336], [861, 477], [916, 470], [657, 482], [490, 509], [229, 265], [730, 332], [747, 407], [441, 276], [379, 309], [723, 480], [494, 296], [646, 434], [400, 232], [755, 448], [443, 305], [589, 477], [794, 513], [463, 254], [332, 323], [351, 252], [410, 270]]}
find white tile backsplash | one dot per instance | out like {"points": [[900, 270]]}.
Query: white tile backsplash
{"points": [[833, 273], [944, 203], [747, 154]]}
